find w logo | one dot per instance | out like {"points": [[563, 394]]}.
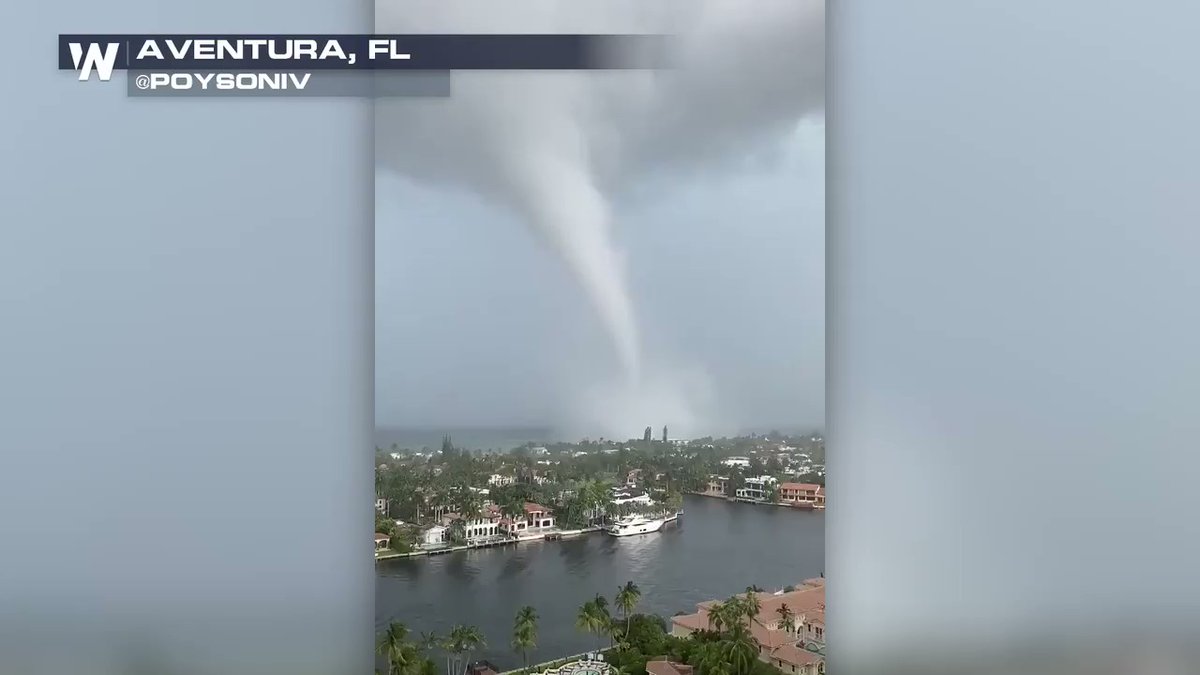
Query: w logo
{"points": [[102, 60]]}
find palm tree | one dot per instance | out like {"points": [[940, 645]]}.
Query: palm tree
{"points": [[525, 633], [611, 510], [403, 657], [593, 617], [725, 615], [456, 533], [513, 509], [750, 604], [462, 639], [429, 642], [786, 616], [741, 649], [709, 659], [603, 617], [473, 639], [627, 600], [585, 620], [391, 644], [471, 506]]}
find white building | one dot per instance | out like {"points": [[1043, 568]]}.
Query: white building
{"points": [[626, 498], [537, 519], [486, 526], [497, 480], [755, 488], [434, 536], [381, 505], [743, 462]]}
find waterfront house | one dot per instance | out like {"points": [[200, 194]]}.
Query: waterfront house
{"points": [[717, 485], [802, 494], [537, 519], [795, 647], [381, 541], [755, 488], [483, 527], [434, 536], [628, 496]]}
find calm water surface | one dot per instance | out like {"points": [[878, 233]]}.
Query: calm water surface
{"points": [[715, 550]]}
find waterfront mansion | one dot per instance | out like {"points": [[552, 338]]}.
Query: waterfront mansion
{"points": [[537, 519], [802, 494], [755, 488], [789, 627], [490, 525]]}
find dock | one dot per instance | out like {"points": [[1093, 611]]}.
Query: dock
{"points": [[492, 543]]}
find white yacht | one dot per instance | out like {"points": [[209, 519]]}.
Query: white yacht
{"points": [[639, 525]]}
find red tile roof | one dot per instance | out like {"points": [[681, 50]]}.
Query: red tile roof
{"points": [[665, 667], [770, 638], [531, 507], [697, 621], [794, 655], [799, 486], [807, 601]]}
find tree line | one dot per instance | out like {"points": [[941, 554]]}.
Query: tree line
{"points": [[728, 648]]}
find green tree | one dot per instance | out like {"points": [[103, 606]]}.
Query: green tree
{"points": [[627, 600], [710, 661], [403, 657], [586, 619], [771, 493], [462, 640], [750, 604], [456, 533], [741, 649], [786, 616], [525, 633], [724, 616]]}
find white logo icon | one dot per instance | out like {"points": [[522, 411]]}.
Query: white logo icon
{"points": [[102, 61]]}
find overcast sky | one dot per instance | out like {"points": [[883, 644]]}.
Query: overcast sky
{"points": [[479, 324]]}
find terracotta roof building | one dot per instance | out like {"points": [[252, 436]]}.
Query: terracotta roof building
{"points": [[795, 644], [665, 667], [802, 494]]}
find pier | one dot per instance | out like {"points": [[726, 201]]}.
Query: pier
{"points": [[490, 543]]}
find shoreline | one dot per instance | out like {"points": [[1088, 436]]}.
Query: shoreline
{"points": [[568, 534], [736, 500], [549, 536]]}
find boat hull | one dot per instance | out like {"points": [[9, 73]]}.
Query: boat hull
{"points": [[647, 527]]}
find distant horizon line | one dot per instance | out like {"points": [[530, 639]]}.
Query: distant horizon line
{"points": [[449, 428]]}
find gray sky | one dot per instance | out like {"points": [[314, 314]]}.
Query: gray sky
{"points": [[478, 323], [604, 250]]}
